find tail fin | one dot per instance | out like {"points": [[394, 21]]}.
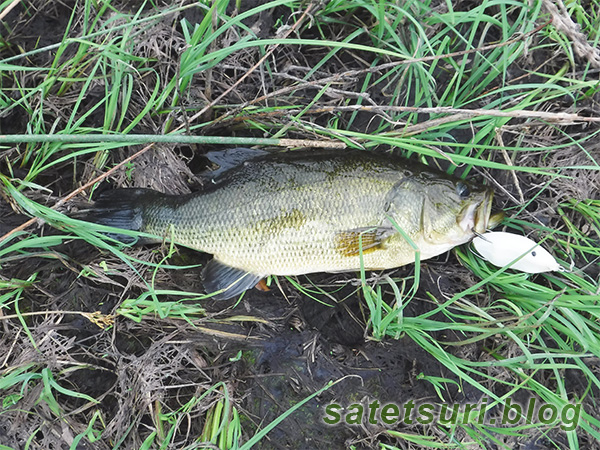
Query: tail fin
{"points": [[122, 208]]}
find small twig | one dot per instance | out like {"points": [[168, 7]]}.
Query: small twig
{"points": [[102, 177], [458, 114], [560, 117]]}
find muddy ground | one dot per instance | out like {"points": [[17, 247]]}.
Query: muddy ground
{"points": [[291, 345]]}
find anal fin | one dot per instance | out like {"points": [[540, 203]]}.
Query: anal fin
{"points": [[226, 281]]}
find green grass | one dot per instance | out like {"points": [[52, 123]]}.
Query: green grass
{"points": [[394, 57]]}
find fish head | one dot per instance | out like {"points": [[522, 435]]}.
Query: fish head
{"points": [[448, 212]]}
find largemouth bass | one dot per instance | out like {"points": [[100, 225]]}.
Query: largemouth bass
{"points": [[300, 212]]}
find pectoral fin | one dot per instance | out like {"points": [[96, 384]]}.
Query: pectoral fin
{"points": [[367, 239], [227, 281]]}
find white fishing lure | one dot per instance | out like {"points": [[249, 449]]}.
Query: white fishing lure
{"points": [[502, 248]]}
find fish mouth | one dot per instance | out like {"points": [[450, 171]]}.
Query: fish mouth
{"points": [[484, 219], [477, 217]]}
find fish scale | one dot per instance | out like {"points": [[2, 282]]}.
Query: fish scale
{"points": [[263, 235]]}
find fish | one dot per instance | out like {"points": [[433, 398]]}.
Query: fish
{"points": [[300, 212]]}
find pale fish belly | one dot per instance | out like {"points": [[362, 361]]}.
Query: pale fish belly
{"points": [[291, 256]]}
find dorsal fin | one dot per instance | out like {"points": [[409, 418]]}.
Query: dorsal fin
{"points": [[229, 159]]}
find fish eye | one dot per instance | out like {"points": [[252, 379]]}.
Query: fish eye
{"points": [[533, 253], [463, 190]]}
